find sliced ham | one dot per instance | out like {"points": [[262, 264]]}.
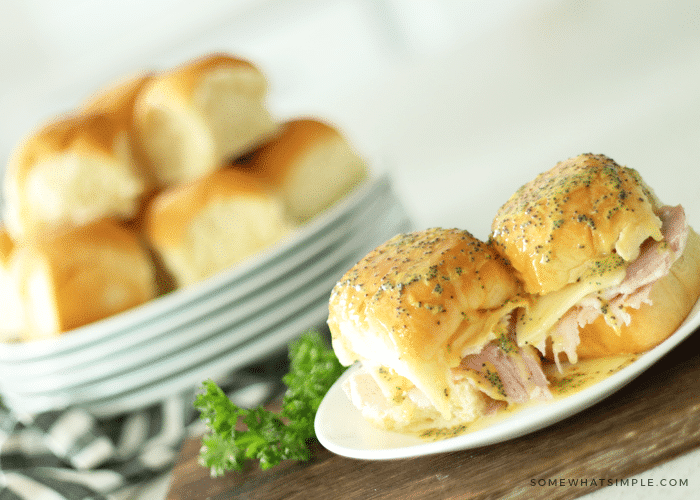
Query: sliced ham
{"points": [[519, 371], [655, 257]]}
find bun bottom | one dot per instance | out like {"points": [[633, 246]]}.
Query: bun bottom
{"points": [[672, 298], [414, 413]]}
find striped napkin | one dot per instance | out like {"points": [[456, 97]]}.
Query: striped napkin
{"points": [[73, 455]]}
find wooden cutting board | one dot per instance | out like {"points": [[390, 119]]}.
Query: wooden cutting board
{"points": [[654, 419]]}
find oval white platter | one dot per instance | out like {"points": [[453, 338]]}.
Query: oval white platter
{"points": [[341, 428], [243, 278]]}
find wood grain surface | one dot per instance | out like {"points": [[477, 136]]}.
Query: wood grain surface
{"points": [[653, 419]]}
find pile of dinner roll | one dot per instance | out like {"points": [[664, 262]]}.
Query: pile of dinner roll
{"points": [[153, 184]]}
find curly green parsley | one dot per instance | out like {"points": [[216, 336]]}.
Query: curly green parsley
{"points": [[268, 436]]}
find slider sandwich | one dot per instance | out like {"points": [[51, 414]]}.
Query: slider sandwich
{"points": [[430, 317], [611, 270]]}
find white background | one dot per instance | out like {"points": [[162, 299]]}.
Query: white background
{"points": [[465, 100]]}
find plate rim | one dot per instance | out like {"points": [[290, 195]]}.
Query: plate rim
{"points": [[529, 420], [160, 306], [159, 331]]}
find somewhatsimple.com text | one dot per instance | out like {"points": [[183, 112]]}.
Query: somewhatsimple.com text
{"points": [[598, 482]]}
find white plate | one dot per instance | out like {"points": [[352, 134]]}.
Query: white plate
{"points": [[342, 430], [211, 334], [269, 262], [185, 371], [215, 343], [185, 325], [190, 380]]}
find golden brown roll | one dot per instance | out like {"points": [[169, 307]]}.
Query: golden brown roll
{"points": [[312, 164], [207, 225], [119, 99], [429, 316], [193, 117], [70, 172], [11, 308], [82, 276], [590, 239]]}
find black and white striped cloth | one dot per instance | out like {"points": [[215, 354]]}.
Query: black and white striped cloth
{"points": [[72, 455]]}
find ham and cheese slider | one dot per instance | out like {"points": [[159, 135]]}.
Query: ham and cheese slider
{"points": [[611, 269], [429, 315]]}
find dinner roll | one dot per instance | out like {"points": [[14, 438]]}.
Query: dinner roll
{"points": [[312, 164], [82, 276], [118, 99], [193, 117], [11, 307], [118, 96], [74, 170], [204, 226]]}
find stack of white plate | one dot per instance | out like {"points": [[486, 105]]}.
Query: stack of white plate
{"points": [[237, 317]]}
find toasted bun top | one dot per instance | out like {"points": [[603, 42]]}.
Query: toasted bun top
{"points": [[421, 292], [554, 227], [169, 211], [296, 137]]}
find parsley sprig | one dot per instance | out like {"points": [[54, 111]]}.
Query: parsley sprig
{"points": [[268, 436]]}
